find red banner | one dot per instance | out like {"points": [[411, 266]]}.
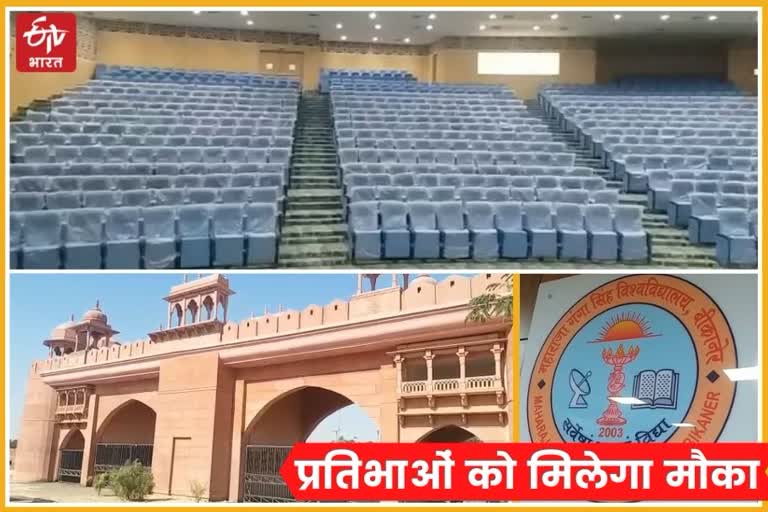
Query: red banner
{"points": [[526, 471]]}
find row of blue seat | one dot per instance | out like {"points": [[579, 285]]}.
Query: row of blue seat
{"points": [[489, 194], [194, 236], [484, 231]]}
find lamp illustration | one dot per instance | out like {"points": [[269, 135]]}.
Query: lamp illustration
{"points": [[616, 381], [622, 327]]}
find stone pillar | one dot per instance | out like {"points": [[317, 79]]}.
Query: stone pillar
{"points": [[496, 351], [170, 314], [428, 357], [394, 281], [399, 368], [238, 429], [359, 284], [462, 365], [89, 433]]}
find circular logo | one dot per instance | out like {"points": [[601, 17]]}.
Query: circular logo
{"points": [[639, 359]]}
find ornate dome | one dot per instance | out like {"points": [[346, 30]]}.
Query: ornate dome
{"points": [[63, 331], [95, 314], [424, 278]]}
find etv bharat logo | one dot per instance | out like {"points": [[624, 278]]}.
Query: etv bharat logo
{"points": [[639, 359], [46, 42]]}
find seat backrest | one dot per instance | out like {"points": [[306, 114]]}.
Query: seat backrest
{"points": [[538, 215], [394, 215], [194, 221], [42, 228], [480, 215], [598, 218], [703, 203], [450, 215], [364, 216], [628, 218], [260, 218], [733, 221], [122, 223], [509, 215], [569, 217], [421, 215], [159, 222], [227, 219]]}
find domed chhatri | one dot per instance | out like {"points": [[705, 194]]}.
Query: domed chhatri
{"points": [[95, 314]]}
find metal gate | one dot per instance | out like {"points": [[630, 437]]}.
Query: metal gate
{"points": [[262, 481], [111, 456], [70, 465]]}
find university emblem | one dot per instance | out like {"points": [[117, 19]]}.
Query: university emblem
{"points": [[639, 359]]}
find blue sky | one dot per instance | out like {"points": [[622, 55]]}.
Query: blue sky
{"points": [[135, 306]]}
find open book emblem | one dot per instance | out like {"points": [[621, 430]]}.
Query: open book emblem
{"points": [[657, 389]]}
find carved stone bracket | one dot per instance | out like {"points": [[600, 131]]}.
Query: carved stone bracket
{"points": [[500, 399], [463, 419], [431, 401], [464, 400], [401, 403]]}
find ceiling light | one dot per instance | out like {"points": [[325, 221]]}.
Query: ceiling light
{"points": [[554, 16], [430, 27], [407, 40], [536, 27], [432, 16], [339, 26], [712, 17], [626, 400], [250, 22], [196, 13], [482, 27], [491, 16], [243, 13], [617, 17], [374, 39], [372, 15], [377, 26], [343, 38], [747, 373], [664, 17]]}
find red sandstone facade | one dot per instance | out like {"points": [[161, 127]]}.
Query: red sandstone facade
{"points": [[197, 398]]}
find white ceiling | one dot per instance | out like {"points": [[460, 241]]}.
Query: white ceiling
{"points": [[397, 25]]}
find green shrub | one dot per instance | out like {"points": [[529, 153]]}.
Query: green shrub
{"points": [[198, 490], [132, 482], [101, 482]]}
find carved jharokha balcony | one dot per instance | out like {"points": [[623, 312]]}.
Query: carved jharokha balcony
{"points": [[468, 385]]}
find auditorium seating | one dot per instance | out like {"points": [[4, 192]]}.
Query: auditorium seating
{"points": [[690, 145], [341, 75], [144, 143], [462, 171]]}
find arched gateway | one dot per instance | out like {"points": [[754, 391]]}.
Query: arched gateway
{"points": [[211, 401]]}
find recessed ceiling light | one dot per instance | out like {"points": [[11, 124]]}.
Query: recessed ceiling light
{"points": [[243, 13], [196, 13], [429, 27], [712, 17], [536, 27], [554, 16], [377, 26], [432, 16], [407, 40], [491, 16], [374, 39], [482, 27], [664, 17], [343, 38], [372, 15], [617, 17], [249, 22], [339, 26]]}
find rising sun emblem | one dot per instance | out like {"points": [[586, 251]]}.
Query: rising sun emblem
{"points": [[625, 326]]}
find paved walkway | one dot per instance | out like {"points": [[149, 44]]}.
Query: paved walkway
{"points": [[58, 492]]}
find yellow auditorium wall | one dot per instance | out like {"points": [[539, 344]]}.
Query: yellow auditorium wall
{"points": [[26, 87], [577, 66], [193, 53]]}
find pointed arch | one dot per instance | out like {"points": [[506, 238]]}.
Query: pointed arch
{"points": [[209, 307], [176, 316], [190, 316]]}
